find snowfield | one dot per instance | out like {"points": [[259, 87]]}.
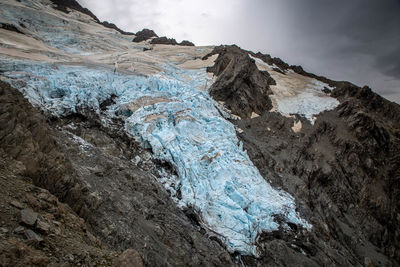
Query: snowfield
{"points": [[297, 94]]}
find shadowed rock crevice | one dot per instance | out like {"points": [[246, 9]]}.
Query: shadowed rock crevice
{"points": [[10, 27]]}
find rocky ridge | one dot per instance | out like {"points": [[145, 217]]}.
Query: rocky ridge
{"points": [[343, 171]]}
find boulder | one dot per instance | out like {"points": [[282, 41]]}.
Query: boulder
{"points": [[129, 258], [32, 236], [144, 35], [28, 217]]}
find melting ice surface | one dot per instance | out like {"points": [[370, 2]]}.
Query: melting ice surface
{"points": [[182, 126]]}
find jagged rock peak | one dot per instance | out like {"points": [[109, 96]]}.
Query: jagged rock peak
{"points": [[170, 41], [240, 84], [186, 43], [113, 26], [144, 35], [64, 5]]}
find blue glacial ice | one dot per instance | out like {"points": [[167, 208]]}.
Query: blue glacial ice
{"points": [[182, 126]]}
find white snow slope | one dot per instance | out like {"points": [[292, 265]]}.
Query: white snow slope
{"points": [[297, 94], [66, 61]]}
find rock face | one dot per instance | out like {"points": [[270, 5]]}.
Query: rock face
{"points": [[164, 40], [343, 171], [113, 26], [28, 217], [27, 138], [186, 43], [170, 41], [129, 258], [64, 5], [240, 85], [10, 27], [144, 35], [272, 60]]}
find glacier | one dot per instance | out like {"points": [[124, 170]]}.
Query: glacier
{"points": [[181, 124], [165, 108]]}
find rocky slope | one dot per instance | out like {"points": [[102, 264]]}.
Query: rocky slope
{"points": [[116, 152]]}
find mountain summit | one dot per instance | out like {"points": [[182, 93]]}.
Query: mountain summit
{"points": [[122, 149]]}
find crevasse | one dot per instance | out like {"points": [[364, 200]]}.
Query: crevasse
{"points": [[180, 122]]}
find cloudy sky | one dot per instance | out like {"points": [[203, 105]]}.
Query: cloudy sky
{"points": [[357, 40]]}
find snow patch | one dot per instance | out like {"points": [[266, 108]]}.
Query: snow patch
{"points": [[297, 126], [297, 94]]}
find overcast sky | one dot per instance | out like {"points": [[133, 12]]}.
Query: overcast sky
{"points": [[356, 40]]}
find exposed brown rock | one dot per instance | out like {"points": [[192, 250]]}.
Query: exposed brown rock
{"points": [[129, 258], [10, 27], [28, 217], [32, 236], [163, 40], [115, 27], [16, 204], [64, 5], [186, 43], [240, 84], [42, 226], [170, 41], [144, 35], [343, 172]]}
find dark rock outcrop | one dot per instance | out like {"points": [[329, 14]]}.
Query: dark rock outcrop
{"points": [[26, 137], [283, 66], [164, 40], [170, 41], [186, 43], [144, 35], [129, 258], [10, 27], [64, 5], [113, 26], [271, 60], [344, 175], [240, 84], [46, 232]]}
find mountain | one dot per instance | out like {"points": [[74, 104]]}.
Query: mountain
{"points": [[121, 149]]}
